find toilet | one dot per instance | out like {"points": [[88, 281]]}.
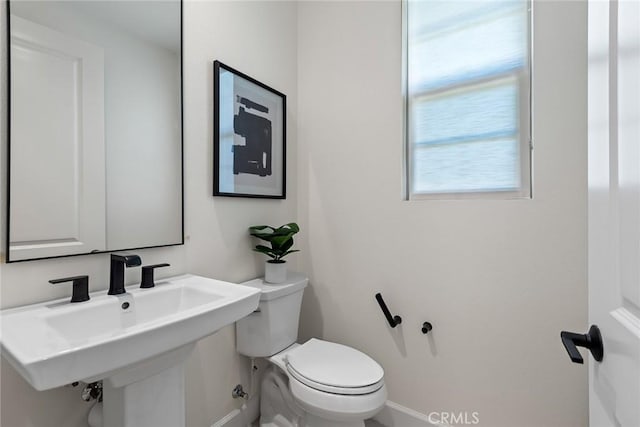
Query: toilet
{"points": [[315, 384]]}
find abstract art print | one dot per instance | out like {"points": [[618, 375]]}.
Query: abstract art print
{"points": [[249, 142]]}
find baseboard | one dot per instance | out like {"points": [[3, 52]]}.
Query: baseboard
{"points": [[394, 415], [243, 417]]}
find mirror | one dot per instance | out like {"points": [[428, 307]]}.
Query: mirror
{"points": [[95, 127]]}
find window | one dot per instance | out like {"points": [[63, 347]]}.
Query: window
{"points": [[468, 98]]}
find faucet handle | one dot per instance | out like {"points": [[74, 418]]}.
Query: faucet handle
{"points": [[80, 290], [147, 274]]}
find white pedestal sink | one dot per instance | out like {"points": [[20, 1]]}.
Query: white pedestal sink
{"points": [[136, 342]]}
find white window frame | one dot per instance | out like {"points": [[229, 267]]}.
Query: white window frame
{"points": [[525, 78]]}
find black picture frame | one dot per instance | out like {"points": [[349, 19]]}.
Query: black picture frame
{"points": [[249, 136]]}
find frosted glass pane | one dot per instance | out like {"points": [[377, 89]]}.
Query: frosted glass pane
{"points": [[483, 113], [454, 41], [475, 166]]}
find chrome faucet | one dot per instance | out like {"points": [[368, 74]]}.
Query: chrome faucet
{"points": [[118, 263]]}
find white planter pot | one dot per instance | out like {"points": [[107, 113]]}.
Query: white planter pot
{"points": [[275, 272]]}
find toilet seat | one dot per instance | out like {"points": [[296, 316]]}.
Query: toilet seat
{"points": [[334, 368], [332, 389]]}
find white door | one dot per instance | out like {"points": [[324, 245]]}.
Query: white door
{"points": [[614, 210], [57, 197]]}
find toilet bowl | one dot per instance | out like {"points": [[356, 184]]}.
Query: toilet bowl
{"points": [[315, 384], [331, 382]]}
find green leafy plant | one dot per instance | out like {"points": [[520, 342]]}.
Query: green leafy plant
{"points": [[281, 240]]}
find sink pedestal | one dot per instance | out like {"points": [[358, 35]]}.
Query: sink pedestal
{"points": [[148, 394]]}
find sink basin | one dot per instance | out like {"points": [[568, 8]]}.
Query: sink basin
{"points": [[55, 343]]}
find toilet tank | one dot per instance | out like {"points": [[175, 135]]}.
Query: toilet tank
{"points": [[274, 325]]}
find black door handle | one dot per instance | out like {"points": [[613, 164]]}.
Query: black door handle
{"points": [[592, 340]]}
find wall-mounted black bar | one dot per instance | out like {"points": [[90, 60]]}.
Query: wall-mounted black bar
{"points": [[426, 327], [393, 320]]}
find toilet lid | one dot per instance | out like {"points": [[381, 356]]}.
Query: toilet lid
{"points": [[334, 367]]}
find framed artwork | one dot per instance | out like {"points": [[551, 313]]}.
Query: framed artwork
{"points": [[249, 136]]}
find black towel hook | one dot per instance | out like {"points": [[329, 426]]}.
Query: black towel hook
{"points": [[393, 320], [426, 327]]}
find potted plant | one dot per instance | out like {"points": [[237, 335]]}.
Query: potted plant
{"points": [[281, 241]]}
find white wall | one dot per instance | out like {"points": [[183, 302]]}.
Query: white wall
{"points": [[498, 279], [259, 39]]}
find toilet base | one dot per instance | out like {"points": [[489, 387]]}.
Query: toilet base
{"points": [[278, 409]]}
